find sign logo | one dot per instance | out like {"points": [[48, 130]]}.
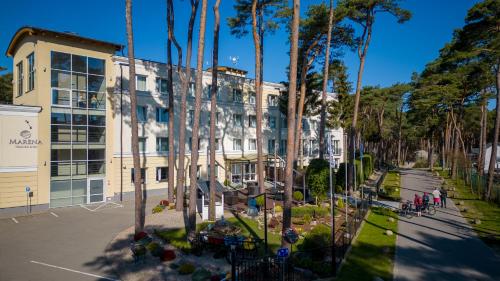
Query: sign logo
{"points": [[25, 140]]}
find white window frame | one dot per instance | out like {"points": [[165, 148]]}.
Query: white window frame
{"points": [[137, 76], [236, 143], [144, 146], [250, 142], [158, 174], [159, 115], [252, 98], [159, 141], [31, 71], [272, 100], [240, 119], [158, 86], [20, 78]]}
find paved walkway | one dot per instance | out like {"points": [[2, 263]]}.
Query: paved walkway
{"points": [[440, 247]]}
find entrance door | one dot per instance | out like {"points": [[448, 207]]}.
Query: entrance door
{"points": [[95, 190]]}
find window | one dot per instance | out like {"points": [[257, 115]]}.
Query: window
{"points": [[216, 171], [237, 120], [161, 144], [192, 89], [61, 97], [161, 86], [217, 118], [198, 174], [252, 121], [161, 115], [31, 71], [208, 91], [142, 144], [217, 144], [161, 174], [237, 95], [250, 172], [236, 173], [272, 100], [96, 66], [271, 144], [282, 147], [252, 144], [140, 83], [191, 117], [143, 174], [61, 61], [284, 123], [191, 143], [236, 144], [251, 98], [272, 122], [20, 79], [142, 114]]}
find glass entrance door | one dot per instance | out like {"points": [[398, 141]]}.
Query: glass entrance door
{"points": [[95, 190]]}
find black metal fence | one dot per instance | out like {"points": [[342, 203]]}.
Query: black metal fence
{"points": [[304, 265], [479, 184]]}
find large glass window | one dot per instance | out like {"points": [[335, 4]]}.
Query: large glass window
{"points": [[252, 144], [78, 123], [237, 96]]}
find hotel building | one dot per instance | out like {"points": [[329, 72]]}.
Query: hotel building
{"points": [[66, 138]]}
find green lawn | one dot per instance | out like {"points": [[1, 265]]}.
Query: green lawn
{"points": [[487, 212], [391, 186], [372, 253]]}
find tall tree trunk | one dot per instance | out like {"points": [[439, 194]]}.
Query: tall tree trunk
{"points": [[258, 95], [213, 110], [196, 122], [139, 213], [362, 50], [322, 123], [430, 158], [494, 145], [400, 133], [292, 88], [482, 137], [179, 203], [171, 120]]}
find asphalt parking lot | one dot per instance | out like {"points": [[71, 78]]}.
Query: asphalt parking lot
{"points": [[64, 243]]}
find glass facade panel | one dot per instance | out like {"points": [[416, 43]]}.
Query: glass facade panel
{"points": [[61, 79], [96, 66], [60, 61], [61, 97], [78, 131], [79, 82], [79, 63], [96, 83]]}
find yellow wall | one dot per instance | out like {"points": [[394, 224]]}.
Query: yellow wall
{"points": [[12, 189]]}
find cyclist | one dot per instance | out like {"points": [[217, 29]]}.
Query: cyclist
{"points": [[426, 200], [417, 200]]}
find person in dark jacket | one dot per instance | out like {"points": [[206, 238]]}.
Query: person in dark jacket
{"points": [[444, 195]]}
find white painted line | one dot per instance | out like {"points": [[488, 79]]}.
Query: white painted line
{"points": [[54, 214], [14, 219], [75, 271]]}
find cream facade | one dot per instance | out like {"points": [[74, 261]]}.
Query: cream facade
{"points": [[73, 91]]}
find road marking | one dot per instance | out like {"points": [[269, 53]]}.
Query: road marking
{"points": [[75, 271], [14, 219], [55, 215]]}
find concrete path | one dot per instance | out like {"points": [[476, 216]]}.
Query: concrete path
{"points": [[440, 247]]}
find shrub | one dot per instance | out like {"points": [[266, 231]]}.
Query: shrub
{"points": [[340, 175], [314, 211], [297, 196], [307, 219], [278, 209], [186, 268], [168, 255], [298, 221], [259, 201], [140, 236], [340, 203], [318, 177], [316, 240], [158, 209], [154, 248]]}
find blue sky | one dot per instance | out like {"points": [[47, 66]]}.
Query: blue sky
{"points": [[396, 50]]}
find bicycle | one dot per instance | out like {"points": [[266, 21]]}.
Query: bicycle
{"points": [[429, 209], [406, 210]]}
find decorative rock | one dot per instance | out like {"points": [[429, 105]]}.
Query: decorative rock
{"points": [[477, 221], [389, 232], [391, 219]]}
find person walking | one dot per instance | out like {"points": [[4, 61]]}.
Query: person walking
{"points": [[437, 197], [444, 195], [417, 200]]}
